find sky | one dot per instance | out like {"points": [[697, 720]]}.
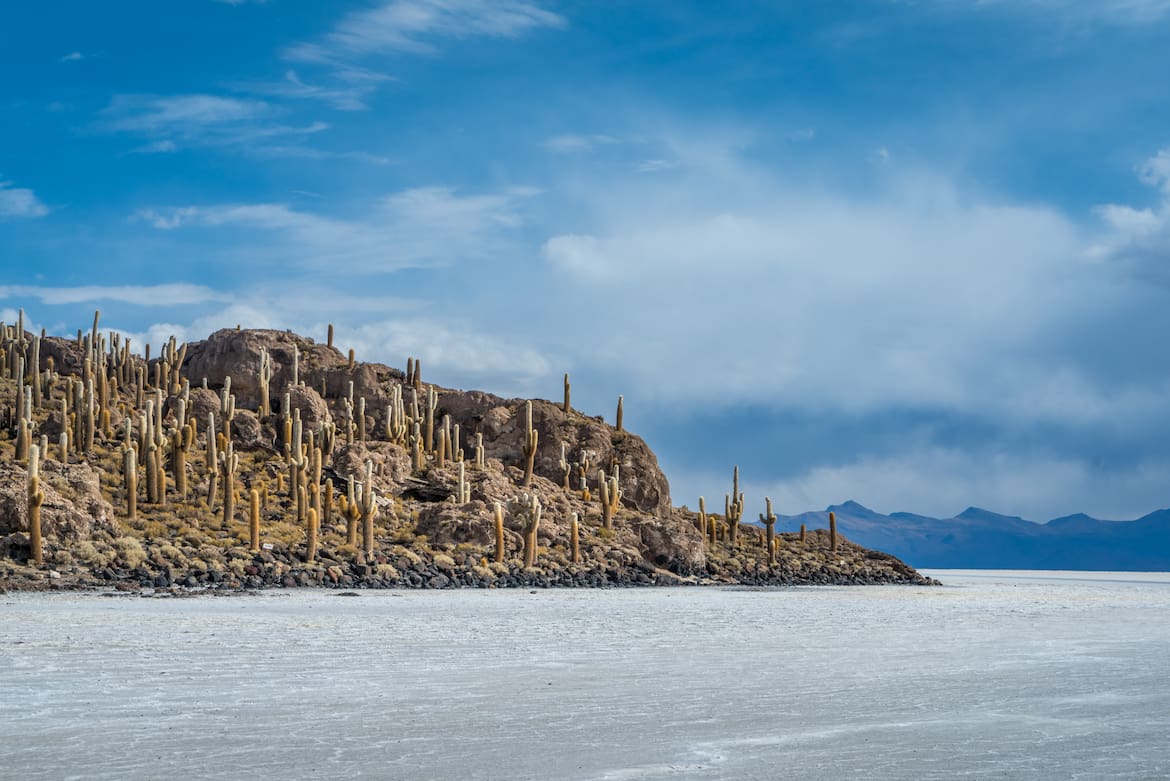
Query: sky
{"points": [[914, 254]]}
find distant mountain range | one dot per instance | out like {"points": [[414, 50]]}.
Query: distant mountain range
{"points": [[979, 539]]}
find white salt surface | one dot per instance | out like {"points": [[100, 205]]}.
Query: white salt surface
{"points": [[1004, 675]]}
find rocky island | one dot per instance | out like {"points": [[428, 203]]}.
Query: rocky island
{"points": [[260, 458]]}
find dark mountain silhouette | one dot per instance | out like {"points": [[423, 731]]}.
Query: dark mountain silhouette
{"points": [[981, 539]]}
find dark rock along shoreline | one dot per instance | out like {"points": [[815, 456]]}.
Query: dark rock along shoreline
{"points": [[423, 534]]}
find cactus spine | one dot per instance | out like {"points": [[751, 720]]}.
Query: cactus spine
{"points": [[769, 521], [531, 436]]}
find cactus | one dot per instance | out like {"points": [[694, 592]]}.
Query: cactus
{"points": [[227, 408], [566, 468], [326, 517], [566, 407], [463, 488], [36, 497], [611, 496], [619, 415], [229, 463], [702, 520], [832, 531], [802, 534], [479, 452], [368, 508], [575, 540], [329, 336], [529, 511], [254, 520], [432, 404], [311, 532], [498, 516], [531, 436], [733, 509], [769, 521], [265, 377], [130, 478]]}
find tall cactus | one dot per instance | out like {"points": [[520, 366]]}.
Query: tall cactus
{"points": [[311, 532], [229, 463], [528, 509], [575, 539], [832, 531], [531, 436], [498, 517], [254, 520], [368, 508], [566, 407], [611, 496], [733, 509], [130, 480], [769, 521], [36, 497]]}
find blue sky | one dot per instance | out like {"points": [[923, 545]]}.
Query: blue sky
{"points": [[913, 254]]}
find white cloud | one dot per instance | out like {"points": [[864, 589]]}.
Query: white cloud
{"points": [[350, 97], [172, 294], [1117, 12], [571, 142], [413, 26], [19, 203], [417, 227], [72, 57], [198, 119], [919, 296], [1139, 238]]}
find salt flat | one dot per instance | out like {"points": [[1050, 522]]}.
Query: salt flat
{"points": [[1021, 674]]}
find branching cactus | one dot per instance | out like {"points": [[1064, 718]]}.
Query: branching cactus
{"points": [[227, 408], [611, 496], [531, 436], [36, 498], [229, 464], [733, 509], [566, 468], [462, 488], [479, 451], [432, 404], [369, 508], [527, 508], [768, 518], [265, 377]]}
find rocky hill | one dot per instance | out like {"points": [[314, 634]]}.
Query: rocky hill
{"points": [[262, 458]]}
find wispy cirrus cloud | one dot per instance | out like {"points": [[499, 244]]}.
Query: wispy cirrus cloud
{"points": [[349, 96], [19, 203], [172, 294], [416, 26], [171, 121], [413, 228]]}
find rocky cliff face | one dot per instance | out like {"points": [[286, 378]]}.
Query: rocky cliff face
{"points": [[424, 531]]}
